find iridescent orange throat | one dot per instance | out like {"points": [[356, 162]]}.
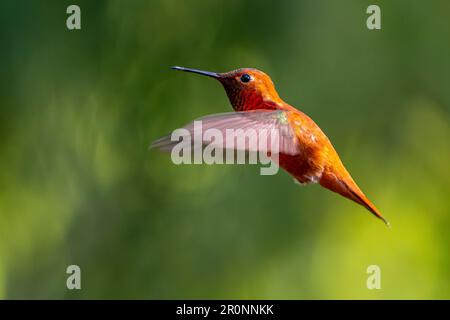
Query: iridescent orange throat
{"points": [[249, 99], [243, 100]]}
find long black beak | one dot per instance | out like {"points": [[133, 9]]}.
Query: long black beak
{"points": [[205, 73]]}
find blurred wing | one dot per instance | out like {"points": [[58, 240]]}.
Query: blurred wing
{"points": [[237, 128]]}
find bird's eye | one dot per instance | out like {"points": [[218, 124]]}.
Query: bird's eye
{"points": [[246, 78]]}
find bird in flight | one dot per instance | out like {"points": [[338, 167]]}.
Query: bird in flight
{"points": [[304, 150]]}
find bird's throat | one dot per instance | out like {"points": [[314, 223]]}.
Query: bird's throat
{"points": [[246, 100]]}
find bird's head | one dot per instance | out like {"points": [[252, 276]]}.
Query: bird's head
{"points": [[247, 88]]}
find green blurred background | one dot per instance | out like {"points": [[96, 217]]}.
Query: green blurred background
{"points": [[78, 184]]}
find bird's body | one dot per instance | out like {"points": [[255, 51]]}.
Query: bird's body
{"points": [[314, 159]]}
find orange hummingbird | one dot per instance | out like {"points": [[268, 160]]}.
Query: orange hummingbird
{"points": [[305, 151]]}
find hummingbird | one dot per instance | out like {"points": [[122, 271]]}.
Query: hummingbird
{"points": [[305, 151]]}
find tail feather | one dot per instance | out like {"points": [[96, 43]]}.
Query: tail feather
{"points": [[360, 198], [345, 186]]}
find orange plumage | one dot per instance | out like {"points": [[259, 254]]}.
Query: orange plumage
{"points": [[251, 90]]}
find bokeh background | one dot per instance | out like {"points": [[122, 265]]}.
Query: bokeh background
{"points": [[78, 184]]}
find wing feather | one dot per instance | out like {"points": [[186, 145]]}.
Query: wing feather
{"points": [[274, 124]]}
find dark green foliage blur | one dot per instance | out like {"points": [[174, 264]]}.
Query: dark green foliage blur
{"points": [[78, 185]]}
